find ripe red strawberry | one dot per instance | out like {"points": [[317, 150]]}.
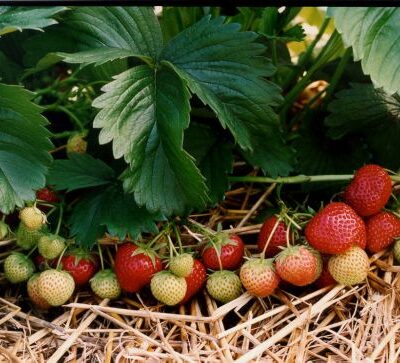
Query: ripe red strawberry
{"points": [[195, 280], [47, 195], [229, 248], [258, 276], [297, 265], [382, 229], [335, 229], [81, 265], [369, 190], [277, 240], [135, 266]]}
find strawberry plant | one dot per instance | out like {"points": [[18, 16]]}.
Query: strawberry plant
{"points": [[137, 118]]}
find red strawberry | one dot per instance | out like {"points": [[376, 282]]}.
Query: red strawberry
{"points": [[382, 229], [47, 195], [81, 265], [230, 249], [277, 240], [369, 190], [195, 280], [297, 265], [135, 266], [335, 229]]}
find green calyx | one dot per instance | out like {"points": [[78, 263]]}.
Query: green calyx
{"points": [[260, 263]]}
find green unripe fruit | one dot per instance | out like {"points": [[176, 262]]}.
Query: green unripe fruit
{"points": [[51, 246], [18, 268], [181, 265], [3, 230]]}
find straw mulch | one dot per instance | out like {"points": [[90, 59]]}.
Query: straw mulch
{"points": [[334, 324]]}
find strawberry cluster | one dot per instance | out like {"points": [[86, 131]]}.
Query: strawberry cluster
{"points": [[329, 247]]}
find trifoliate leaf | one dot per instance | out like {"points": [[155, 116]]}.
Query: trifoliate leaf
{"points": [[79, 171], [372, 113], [18, 18], [110, 209], [144, 112], [107, 33], [24, 148], [213, 155], [374, 34], [225, 68]]}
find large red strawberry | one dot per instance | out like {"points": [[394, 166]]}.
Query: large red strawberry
{"points": [[195, 280], [277, 240], [369, 190], [335, 229], [297, 265], [135, 266], [382, 229], [81, 265], [227, 249]]}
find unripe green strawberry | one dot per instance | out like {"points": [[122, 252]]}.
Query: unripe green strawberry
{"points": [[76, 144], [51, 245], [56, 287], [18, 268], [105, 285], [181, 265], [28, 238], [349, 268], [224, 286], [33, 292], [168, 288], [32, 218], [4, 229], [396, 250]]}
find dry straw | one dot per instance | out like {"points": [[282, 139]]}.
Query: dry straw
{"points": [[334, 324]]}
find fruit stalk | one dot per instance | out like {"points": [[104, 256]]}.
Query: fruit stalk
{"points": [[298, 179]]}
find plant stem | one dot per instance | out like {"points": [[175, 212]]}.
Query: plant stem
{"points": [[297, 179], [307, 55], [101, 256], [338, 74], [59, 219], [62, 135]]}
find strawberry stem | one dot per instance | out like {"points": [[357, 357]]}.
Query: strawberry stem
{"points": [[172, 248], [60, 216], [60, 257], [31, 251], [298, 179], [178, 237], [100, 256], [270, 237]]}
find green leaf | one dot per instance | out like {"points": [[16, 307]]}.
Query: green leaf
{"points": [[371, 113], [108, 33], [318, 154], [374, 35], [111, 210], [24, 148], [144, 112], [9, 70], [225, 68], [79, 171], [19, 18], [174, 19], [213, 155], [359, 107]]}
